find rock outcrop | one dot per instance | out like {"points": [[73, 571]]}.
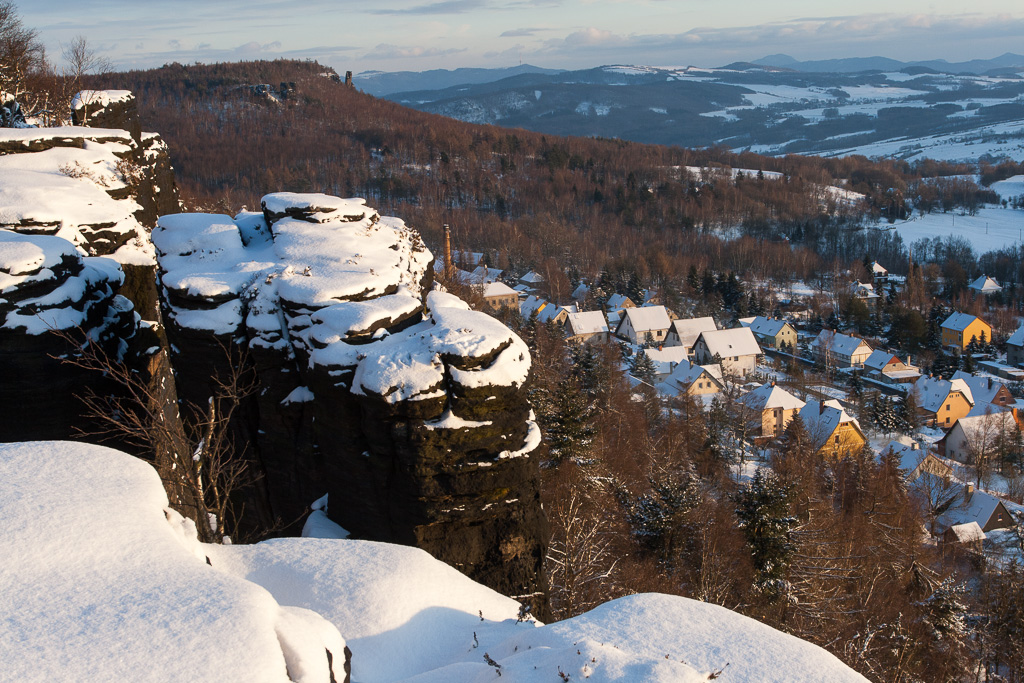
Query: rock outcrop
{"points": [[393, 397]]}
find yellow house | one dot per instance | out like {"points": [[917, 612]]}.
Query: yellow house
{"points": [[694, 380], [831, 429], [943, 401], [959, 328]]}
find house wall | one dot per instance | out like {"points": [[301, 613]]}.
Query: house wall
{"points": [[702, 385], [843, 442], [775, 420], [496, 303], [974, 330], [952, 409], [1014, 355]]}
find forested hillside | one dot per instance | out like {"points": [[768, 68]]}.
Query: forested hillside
{"points": [[527, 197]]}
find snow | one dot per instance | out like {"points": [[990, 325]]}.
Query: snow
{"points": [[1009, 188], [298, 395], [101, 581], [102, 98]]}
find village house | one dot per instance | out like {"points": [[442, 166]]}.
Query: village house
{"points": [[499, 296], [970, 505], [968, 535], [887, 367], [865, 291], [916, 462], [984, 285], [735, 349], [986, 392], [693, 380], [531, 280], [648, 324], [832, 431], [1015, 347], [979, 436], [773, 333], [772, 408], [545, 311], [960, 328], [484, 275], [840, 350], [880, 276], [616, 305], [943, 401], [665, 360], [586, 326], [685, 332]]}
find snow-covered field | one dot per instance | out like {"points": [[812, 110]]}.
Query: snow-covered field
{"points": [[101, 581], [991, 228]]}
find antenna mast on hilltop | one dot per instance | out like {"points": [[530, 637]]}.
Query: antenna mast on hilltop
{"points": [[449, 266]]}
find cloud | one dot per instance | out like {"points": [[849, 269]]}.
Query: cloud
{"points": [[443, 7], [520, 32], [387, 51]]}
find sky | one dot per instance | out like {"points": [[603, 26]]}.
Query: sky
{"points": [[415, 35]]}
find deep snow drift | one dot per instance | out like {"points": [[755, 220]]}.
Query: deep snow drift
{"points": [[101, 582]]}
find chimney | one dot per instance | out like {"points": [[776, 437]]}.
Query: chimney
{"points": [[908, 359], [449, 267], [968, 491], [821, 407], [914, 446], [989, 382]]}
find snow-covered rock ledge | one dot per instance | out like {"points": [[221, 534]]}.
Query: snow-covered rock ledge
{"points": [[101, 582], [411, 401]]}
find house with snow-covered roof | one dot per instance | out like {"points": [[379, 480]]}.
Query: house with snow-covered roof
{"points": [[943, 401], [693, 380], [865, 291], [916, 462], [879, 275], [483, 275], [499, 296], [735, 349], [985, 285], [773, 409], [970, 505], [969, 534], [586, 326], [960, 328], [887, 367], [545, 311], [979, 436], [644, 324], [685, 332], [840, 350], [833, 432], [616, 304], [773, 333], [986, 392], [665, 360], [531, 279], [1015, 347]]}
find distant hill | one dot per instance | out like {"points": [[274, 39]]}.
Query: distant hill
{"points": [[857, 64], [381, 83]]}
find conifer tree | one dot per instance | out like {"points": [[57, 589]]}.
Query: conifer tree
{"points": [[570, 428], [763, 511]]}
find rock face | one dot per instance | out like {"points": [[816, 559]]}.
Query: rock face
{"points": [[396, 399], [47, 287]]}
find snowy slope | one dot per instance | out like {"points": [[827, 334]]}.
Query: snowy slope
{"points": [[99, 582]]}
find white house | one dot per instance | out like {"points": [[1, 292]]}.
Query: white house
{"points": [[665, 360], [736, 348], [978, 436], [648, 323], [985, 285], [685, 332], [840, 350], [773, 409]]}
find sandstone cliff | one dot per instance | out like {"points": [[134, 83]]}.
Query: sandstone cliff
{"points": [[393, 397]]}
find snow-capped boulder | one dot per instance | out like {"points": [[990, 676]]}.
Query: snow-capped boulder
{"points": [[412, 405], [101, 581]]}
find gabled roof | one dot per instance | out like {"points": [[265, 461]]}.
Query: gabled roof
{"points": [[933, 391], [498, 289], [878, 269], [842, 344], [581, 291], [768, 327], [958, 322], [970, 506], [768, 397], [687, 373], [483, 274], [1017, 338], [863, 290], [689, 329], [967, 533], [587, 322], [983, 389], [666, 358], [647, 318], [822, 419], [879, 359], [617, 301], [985, 285], [739, 341], [532, 278]]}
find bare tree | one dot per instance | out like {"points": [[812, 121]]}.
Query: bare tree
{"points": [[21, 51], [580, 563], [193, 453]]}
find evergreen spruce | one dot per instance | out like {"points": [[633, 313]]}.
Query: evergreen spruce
{"points": [[762, 508]]}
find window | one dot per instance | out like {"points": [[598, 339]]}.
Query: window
{"points": [[947, 408]]}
